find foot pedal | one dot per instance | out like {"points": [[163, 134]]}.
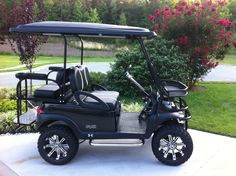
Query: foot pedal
{"points": [[27, 118], [117, 142]]}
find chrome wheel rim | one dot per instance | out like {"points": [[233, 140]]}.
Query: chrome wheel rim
{"points": [[56, 147], [172, 147]]}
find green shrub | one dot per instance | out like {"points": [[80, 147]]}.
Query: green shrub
{"points": [[7, 105], [170, 63], [7, 93], [3, 93], [6, 122], [98, 78]]}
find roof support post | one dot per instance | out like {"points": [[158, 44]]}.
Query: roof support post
{"points": [[64, 75], [151, 68], [82, 50]]}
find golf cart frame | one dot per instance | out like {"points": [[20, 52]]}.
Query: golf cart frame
{"points": [[164, 104]]}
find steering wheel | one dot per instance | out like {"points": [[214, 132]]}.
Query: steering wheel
{"points": [[125, 71]]}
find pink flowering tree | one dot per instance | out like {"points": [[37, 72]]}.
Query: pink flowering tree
{"points": [[200, 30]]}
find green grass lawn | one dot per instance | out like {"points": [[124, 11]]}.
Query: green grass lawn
{"points": [[213, 109], [13, 60], [229, 60]]}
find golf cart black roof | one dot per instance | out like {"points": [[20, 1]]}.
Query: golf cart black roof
{"points": [[82, 29]]}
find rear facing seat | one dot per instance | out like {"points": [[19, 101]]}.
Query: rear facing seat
{"points": [[97, 90], [47, 91], [52, 90]]}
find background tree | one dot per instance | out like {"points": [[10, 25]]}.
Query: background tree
{"points": [[67, 10], [21, 12], [2, 21], [108, 11], [91, 16], [202, 30], [122, 19], [26, 46]]}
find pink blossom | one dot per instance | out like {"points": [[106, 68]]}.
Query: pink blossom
{"points": [[192, 9], [158, 13], [151, 18], [177, 12], [178, 7], [205, 51], [156, 28], [188, 13], [183, 3], [207, 4], [213, 9], [222, 2], [205, 60], [165, 28], [225, 23], [182, 40], [166, 8], [234, 43]]}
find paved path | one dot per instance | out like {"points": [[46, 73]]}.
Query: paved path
{"points": [[221, 73], [212, 155], [14, 67], [6, 171]]}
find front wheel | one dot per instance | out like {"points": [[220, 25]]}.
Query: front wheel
{"points": [[57, 145], [172, 145]]}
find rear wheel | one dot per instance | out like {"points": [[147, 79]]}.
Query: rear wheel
{"points": [[57, 145], [172, 145]]}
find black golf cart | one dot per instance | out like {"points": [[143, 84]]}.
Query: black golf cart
{"points": [[68, 110]]}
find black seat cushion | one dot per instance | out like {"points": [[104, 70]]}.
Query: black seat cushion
{"points": [[48, 91], [77, 84], [112, 103], [106, 94], [85, 75]]}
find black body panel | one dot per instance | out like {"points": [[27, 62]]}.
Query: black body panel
{"points": [[128, 126], [86, 119]]}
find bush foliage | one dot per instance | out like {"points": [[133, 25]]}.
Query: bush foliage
{"points": [[98, 78], [169, 61], [7, 105], [7, 110], [6, 122], [201, 29]]}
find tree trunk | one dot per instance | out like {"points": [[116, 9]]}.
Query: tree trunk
{"points": [[31, 82]]}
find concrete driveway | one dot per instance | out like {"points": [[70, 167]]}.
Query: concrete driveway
{"points": [[213, 155]]}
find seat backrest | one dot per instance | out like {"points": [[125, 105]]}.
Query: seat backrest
{"points": [[85, 74], [76, 79], [60, 75]]}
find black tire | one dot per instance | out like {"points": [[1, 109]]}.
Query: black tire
{"points": [[69, 146], [184, 141]]}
